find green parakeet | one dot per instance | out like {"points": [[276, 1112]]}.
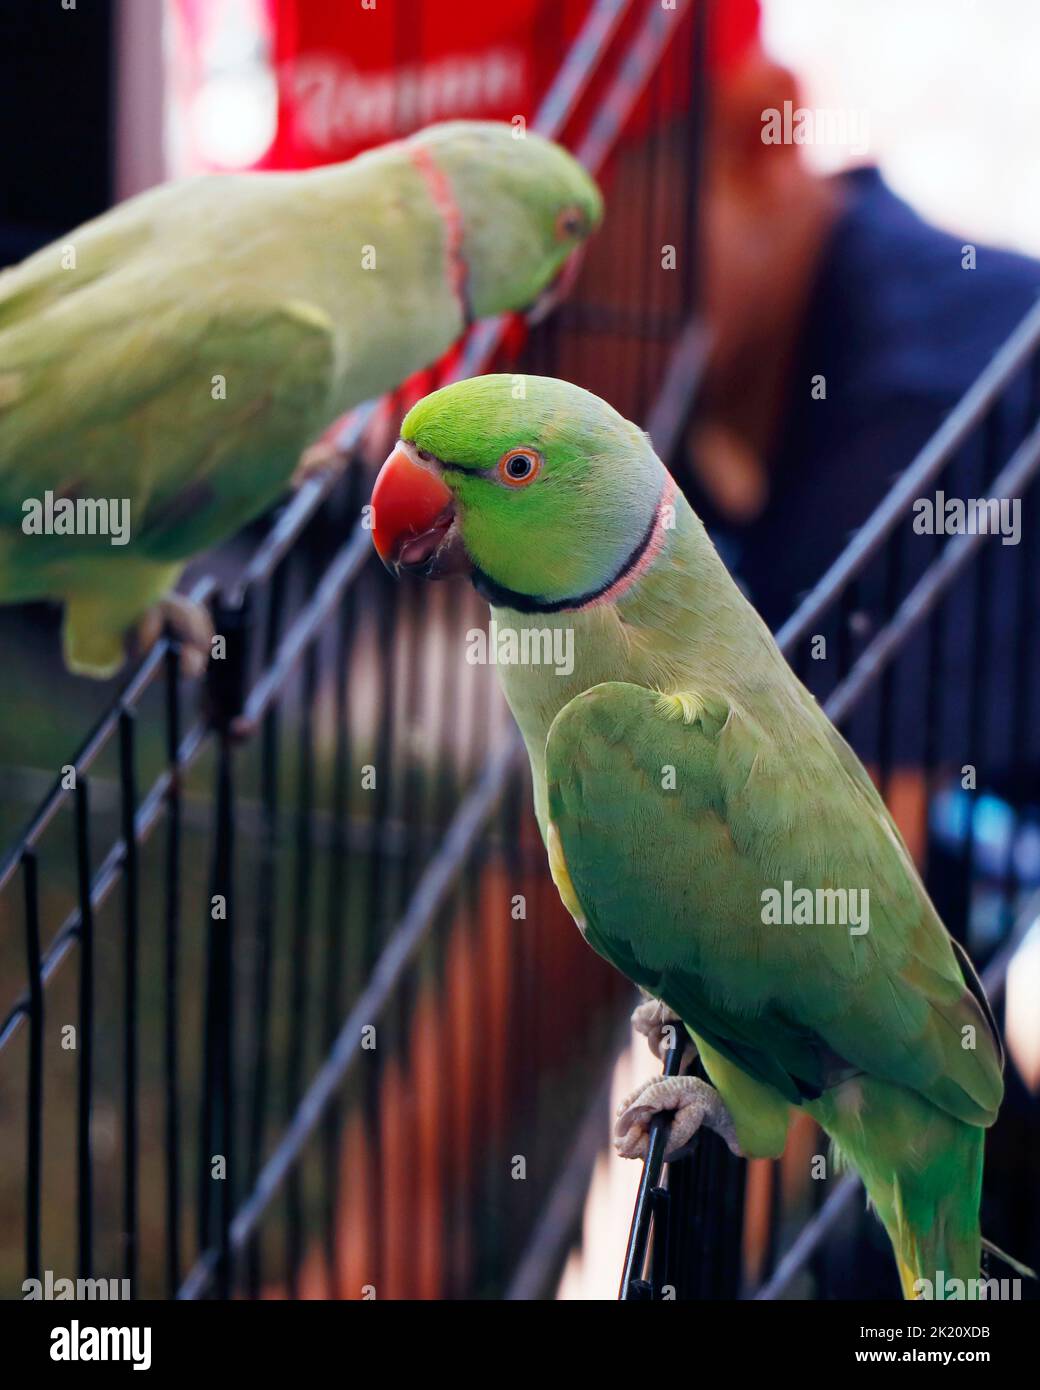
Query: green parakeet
{"points": [[178, 353], [704, 820]]}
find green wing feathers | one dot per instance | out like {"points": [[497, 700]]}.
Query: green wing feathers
{"points": [[179, 353], [158, 405], [674, 813], [683, 905]]}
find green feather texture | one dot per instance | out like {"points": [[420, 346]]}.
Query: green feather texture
{"points": [[180, 351], [688, 779]]}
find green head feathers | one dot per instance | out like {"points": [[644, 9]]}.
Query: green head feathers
{"points": [[554, 493], [525, 204]]}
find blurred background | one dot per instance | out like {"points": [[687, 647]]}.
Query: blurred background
{"points": [[834, 296]]}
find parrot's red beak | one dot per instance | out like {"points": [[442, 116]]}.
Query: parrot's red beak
{"points": [[413, 518]]}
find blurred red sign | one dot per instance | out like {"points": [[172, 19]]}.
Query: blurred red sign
{"points": [[291, 83], [349, 79]]}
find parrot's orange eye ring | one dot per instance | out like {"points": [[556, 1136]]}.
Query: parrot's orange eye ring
{"points": [[570, 223], [518, 467]]}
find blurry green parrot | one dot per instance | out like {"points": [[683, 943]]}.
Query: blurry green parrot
{"points": [[179, 352], [683, 776]]}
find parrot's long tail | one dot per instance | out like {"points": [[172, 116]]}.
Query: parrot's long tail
{"points": [[934, 1228], [922, 1169]]}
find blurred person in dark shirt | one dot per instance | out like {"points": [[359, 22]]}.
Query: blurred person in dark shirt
{"points": [[806, 278], [809, 276]]}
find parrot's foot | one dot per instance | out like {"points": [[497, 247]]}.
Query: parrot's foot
{"points": [[190, 624], [320, 460], [693, 1102], [662, 1029]]}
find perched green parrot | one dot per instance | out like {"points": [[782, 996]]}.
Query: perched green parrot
{"points": [[688, 786], [174, 356]]}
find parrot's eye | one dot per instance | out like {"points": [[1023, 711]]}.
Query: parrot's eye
{"points": [[519, 467], [570, 223]]}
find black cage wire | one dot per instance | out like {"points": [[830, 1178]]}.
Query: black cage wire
{"points": [[275, 930]]}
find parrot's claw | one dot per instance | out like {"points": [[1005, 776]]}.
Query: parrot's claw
{"points": [[190, 624], [693, 1102], [320, 460], [662, 1028]]}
